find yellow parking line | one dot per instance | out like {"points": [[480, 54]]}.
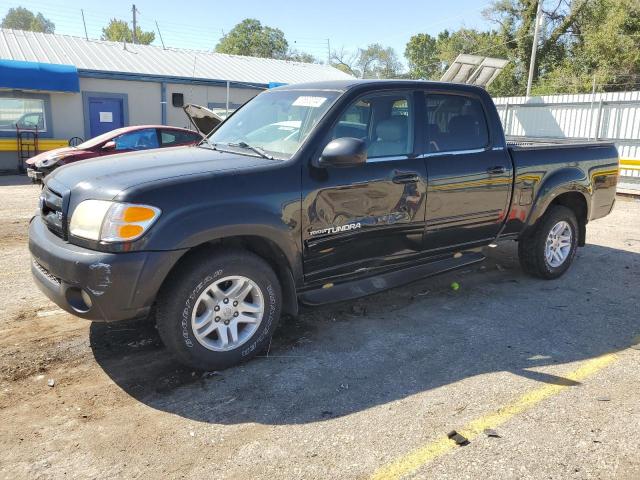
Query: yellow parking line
{"points": [[425, 454]]}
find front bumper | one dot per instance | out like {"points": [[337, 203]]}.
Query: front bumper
{"points": [[35, 175], [96, 285]]}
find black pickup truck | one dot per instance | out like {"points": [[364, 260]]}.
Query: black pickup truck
{"points": [[308, 194]]}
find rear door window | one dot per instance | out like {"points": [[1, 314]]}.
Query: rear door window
{"points": [[454, 123], [169, 138]]}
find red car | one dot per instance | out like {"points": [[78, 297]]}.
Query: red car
{"points": [[126, 139]]}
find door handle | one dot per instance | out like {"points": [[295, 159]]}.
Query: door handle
{"points": [[498, 170], [406, 178]]}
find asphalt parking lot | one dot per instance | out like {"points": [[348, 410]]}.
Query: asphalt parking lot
{"points": [[541, 377]]}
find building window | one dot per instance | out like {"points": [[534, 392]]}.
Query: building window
{"points": [[25, 113]]}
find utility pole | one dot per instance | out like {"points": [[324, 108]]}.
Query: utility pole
{"points": [[328, 51], [534, 47], [134, 40]]}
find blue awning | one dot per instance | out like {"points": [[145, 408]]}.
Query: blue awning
{"points": [[38, 76]]}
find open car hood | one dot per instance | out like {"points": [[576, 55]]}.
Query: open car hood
{"points": [[202, 118]]}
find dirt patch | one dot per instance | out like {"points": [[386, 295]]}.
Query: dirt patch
{"points": [[341, 389]]}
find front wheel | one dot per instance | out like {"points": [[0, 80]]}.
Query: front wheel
{"points": [[549, 250], [219, 309]]}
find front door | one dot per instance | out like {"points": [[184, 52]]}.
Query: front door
{"points": [[363, 218], [470, 181], [105, 114]]}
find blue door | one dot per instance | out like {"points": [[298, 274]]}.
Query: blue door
{"points": [[105, 114]]}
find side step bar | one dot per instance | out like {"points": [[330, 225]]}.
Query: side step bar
{"points": [[385, 281]]}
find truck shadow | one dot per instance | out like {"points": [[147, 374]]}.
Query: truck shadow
{"points": [[342, 359]]}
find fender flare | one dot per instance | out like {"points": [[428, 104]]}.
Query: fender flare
{"points": [[566, 180], [190, 228]]}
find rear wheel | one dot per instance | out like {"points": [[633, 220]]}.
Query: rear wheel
{"points": [[548, 251], [219, 309]]}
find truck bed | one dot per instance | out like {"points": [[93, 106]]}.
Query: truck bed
{"points": [[532, 142], [540, 164]]}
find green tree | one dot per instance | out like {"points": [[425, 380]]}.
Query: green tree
{"points": [[373, 61], [423, 57], [22, 19], [376, 61], [304, 57], [512, 39], [515, 21], [119, 31], [604, 46], [253, 39]]}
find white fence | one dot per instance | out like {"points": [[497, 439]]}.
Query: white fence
{"points": [[602, 116]]}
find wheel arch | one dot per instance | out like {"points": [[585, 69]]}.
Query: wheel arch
{"points": [[576, 202], [264, 248], [569, 188]]}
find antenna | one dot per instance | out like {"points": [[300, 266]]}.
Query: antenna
{"points": [[85, 25], [160, 35]]}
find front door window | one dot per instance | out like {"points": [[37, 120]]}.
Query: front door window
{"points": [[384, 121], [138, 140]]}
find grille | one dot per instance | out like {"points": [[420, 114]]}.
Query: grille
{"points": [[46, 273], [51, 210]]}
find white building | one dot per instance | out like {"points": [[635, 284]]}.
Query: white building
{"points": [[72, 87]]}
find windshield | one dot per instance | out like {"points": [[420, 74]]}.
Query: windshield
{"points": [[95, 141], [276, 122]]}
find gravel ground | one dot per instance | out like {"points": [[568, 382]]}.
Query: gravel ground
{"points": [[346, 389]]}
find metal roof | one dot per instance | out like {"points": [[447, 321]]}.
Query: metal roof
{"points": [[116, 57]]}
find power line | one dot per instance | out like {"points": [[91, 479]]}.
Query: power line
{"points": [[69, 21]]}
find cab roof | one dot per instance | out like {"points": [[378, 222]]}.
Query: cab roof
{"points": [[344, 85]]}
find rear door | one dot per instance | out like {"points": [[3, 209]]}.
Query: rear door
{"points": [[371, 216], [470, 178]]}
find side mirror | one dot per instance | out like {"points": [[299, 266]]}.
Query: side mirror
{"points": [[343, 152], [110, 145]]}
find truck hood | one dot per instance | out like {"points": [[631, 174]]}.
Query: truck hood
{"points": [[106, 177], [52, 154]]}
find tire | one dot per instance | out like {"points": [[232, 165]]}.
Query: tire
{"points": [[532, 250], [201, 283]]}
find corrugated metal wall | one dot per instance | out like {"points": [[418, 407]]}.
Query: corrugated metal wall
{"points": [[611, 116]]}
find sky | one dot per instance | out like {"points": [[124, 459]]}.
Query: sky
{"points": [[198, 24]]}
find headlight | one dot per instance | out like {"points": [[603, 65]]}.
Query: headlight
{"points": [[111, 221], [51, 159]]}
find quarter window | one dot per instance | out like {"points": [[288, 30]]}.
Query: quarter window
{"points": [[383, 121], [455, 122], [25, 113]]}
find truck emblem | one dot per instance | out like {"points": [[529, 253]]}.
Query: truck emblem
{"points": [[343, 228]]}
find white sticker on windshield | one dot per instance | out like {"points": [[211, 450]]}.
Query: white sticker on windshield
{"points": [[305, 101]]}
